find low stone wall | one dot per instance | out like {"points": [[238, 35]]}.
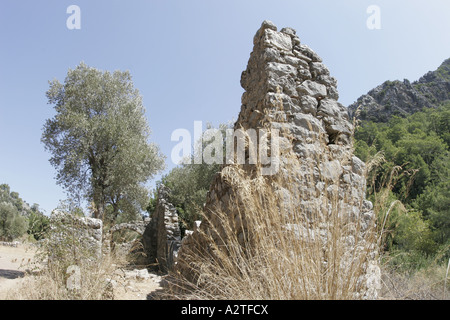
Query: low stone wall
{"points": [[85, 231], [13, 244]]}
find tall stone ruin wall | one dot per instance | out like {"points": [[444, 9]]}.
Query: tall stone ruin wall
{"points": [[162, 236], [283, 71], [288, 87]]}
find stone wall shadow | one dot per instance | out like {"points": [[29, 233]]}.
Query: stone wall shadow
{"points": [[11, 274]]}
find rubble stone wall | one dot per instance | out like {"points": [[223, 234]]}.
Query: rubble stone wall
{"points": [[288, 87], [162, 236]]}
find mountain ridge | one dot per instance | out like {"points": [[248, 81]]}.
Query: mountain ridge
{"points": [[402, 98]]}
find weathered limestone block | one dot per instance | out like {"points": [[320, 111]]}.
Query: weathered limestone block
{"points": [[305, 51], [318, 68], [309, 105], [138, 226], [277, 40], [313, 89]]}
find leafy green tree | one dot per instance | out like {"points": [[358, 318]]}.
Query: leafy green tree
{"points": [[435, 199], [188, 186], [12, 197], [12, 224], [419, 144], [5, 192], [396, 129], [38, 223], [99, 140], [189, 183]]}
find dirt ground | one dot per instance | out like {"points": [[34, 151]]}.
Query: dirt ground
{"points": [[12, 266], [14, 262]]}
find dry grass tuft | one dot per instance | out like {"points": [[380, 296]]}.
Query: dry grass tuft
{"points": [[51, 283], [67, 267], [425, 284]]}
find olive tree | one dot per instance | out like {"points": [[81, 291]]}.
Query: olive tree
{"points": [[98, 139], [12, 223]]}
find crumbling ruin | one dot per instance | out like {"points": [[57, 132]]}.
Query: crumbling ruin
{"points": [[287, 87], [162, 236], [72, 231]]}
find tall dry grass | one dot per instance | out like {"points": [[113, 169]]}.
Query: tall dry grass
{"points": [[429, 283]]}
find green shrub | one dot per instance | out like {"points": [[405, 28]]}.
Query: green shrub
{"points": [[12, 224]]}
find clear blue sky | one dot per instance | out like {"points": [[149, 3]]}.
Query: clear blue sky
{"points": [[186, 58]]}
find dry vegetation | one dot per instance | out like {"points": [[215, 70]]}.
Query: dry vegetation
{"points": [[425, 284], [66, 268], [50, 283], [105, 279], [272, 256]]}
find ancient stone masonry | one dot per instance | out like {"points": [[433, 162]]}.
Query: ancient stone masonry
{"points": [[14, 244], [138, 226], [287, 87], [162, 236], [126, 248], [86, 232]]}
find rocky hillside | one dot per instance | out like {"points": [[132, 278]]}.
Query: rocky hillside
{"points": [[403, 98]]}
